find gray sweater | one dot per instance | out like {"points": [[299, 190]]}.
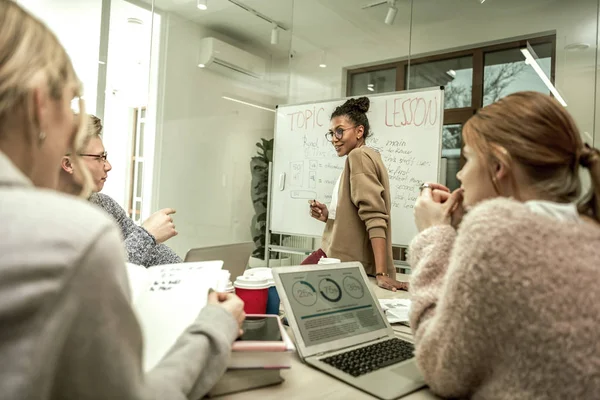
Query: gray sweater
{"points": [[68, 329], [140, 245]]}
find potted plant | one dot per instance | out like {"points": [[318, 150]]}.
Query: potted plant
{"points": [[259, 167]]}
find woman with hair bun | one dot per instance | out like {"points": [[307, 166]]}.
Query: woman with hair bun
{"points": [[358, 223]]}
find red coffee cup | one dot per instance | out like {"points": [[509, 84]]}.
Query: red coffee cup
{"points": [[254, 291]]}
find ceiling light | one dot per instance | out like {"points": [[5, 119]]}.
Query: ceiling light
{"points": [[451, 72], [275, 35], [202, 5], [530, 60], [323, 63], [201, 65], [391, 13], [370, 88], [247, 103]]}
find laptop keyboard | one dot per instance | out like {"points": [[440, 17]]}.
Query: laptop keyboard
{"points": [[371, 358]]}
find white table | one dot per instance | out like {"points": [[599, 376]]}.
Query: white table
{"points": [[305, 382]]}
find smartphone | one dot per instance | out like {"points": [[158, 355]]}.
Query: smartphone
{"points": [[261, 332], [261, 329]]}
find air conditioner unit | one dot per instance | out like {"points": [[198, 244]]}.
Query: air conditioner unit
{"points": [[215, 53]]}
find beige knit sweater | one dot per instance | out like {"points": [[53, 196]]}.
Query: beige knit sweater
{"points": [[508, 307], [363, 212]]}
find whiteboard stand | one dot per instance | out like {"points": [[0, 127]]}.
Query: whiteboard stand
{"points": [[268, 218]]}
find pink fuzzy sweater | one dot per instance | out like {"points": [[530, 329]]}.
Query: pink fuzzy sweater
{"points": [[508, 307]]}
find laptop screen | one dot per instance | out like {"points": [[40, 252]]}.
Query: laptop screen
{"points": [[331, 304]]}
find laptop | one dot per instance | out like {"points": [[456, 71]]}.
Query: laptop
{"points": [[234, 256], [340, 329]]}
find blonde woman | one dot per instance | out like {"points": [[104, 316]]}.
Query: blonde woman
{"points": [[507, 306], [68, 331], [144, 245]]}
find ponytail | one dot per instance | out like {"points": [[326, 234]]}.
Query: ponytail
{"points": [[589, 205]]}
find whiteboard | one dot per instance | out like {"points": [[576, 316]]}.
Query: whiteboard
{"points": [[406, 128]]}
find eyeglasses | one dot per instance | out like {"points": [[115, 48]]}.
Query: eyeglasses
{"points": [[99, 157], [338, 133]]}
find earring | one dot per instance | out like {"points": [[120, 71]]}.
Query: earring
{"points": [[41, 138]]}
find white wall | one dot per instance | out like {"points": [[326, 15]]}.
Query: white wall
{"points": [[205, 144]]}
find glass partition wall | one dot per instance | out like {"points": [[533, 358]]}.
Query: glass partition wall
{"points": [[186, 88]]}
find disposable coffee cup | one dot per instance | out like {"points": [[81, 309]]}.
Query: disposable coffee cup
{"points": [[229, 288], [325, 260], [254, 291], [273, 301], [222, 280]]}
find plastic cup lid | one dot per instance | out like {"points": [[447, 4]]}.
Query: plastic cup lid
{"points": [[325, 260], [261, 272], [251, 282]]}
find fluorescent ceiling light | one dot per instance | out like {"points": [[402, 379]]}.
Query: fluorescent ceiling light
{"points": [[201, 65], [391, 13], [530, 60], [248, 104], [370, 88], [202, 5]]}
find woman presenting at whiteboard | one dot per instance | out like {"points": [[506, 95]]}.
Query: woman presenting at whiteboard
{"points": [[357, 223]]}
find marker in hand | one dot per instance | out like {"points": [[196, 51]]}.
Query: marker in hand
{"points": [[318, 210]]}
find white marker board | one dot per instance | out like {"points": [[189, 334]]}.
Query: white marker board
{"points": [[406, 128]]}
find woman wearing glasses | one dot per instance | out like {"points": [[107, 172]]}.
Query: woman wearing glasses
{"points": [[144, 244], [357, 222], [68, 330]]}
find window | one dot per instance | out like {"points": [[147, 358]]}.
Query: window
{"points": [[381, 81], [506, 72], [455, 74], [137, 166], [472, 79]]}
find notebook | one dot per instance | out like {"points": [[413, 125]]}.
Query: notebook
{"points": [[166, 300], [340, 329], [234, 256]]}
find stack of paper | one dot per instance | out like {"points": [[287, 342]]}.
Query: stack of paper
{"points": [[396, 310]]}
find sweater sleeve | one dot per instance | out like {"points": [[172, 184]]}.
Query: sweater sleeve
{"points": [[104, 358], [162, 254], [452, 313], [140, 246], [366, 191]]}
